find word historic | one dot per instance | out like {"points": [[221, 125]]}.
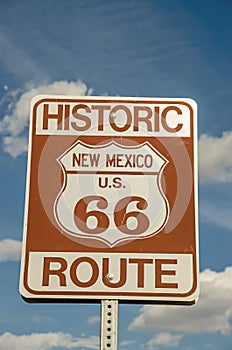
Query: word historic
{"points": [[76, 118]]}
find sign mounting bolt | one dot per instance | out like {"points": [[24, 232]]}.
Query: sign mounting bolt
{"points": [[110, 276], [113, 115]]}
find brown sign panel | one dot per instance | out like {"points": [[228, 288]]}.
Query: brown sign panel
{"points": [[111, 200]]}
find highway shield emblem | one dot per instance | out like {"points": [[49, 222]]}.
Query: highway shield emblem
{"points": [[112, 193]]}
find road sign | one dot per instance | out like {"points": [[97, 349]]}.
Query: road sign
{"points": [[111, 200]]}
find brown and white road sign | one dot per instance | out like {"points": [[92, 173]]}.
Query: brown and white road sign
{"points": [[111, 200]]}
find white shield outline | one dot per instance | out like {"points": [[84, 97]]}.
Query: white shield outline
{"points": [[79, 182]]}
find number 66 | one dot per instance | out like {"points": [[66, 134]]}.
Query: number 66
{"points": [[121, 216]]}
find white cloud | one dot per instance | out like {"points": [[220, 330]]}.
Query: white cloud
{"points": [[15, 145], [215, 158], [164, 339], [46, 341], [211, 314], [10, 250], [14, 123]]}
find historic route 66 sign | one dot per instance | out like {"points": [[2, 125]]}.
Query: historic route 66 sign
{"points": [[111, 191]]}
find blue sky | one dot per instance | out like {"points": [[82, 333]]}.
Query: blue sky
{"points": [[159, 48]]}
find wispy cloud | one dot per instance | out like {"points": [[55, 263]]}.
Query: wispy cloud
{"points": [[125, 343], [93, 319], [211, 314], [10, 250], [217, 212], [16, 59], [46, 341]]}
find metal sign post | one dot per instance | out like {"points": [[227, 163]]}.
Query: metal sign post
{"points": [[109, 325]]}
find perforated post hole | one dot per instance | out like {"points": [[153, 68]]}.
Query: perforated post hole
{"points": [[109, 324]]}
